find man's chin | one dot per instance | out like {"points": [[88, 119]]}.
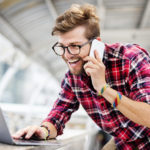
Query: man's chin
{"points": [[76, 72]]}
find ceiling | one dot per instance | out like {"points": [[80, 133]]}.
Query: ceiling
{"points": [[28, 23]]}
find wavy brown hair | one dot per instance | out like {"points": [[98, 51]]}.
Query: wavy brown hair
{"points": [[78, 15]]}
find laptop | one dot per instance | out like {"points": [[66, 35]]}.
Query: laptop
{"points": [[5, 136]]}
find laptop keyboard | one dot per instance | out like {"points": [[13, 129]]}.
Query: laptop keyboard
{"points": [[36, 142]]}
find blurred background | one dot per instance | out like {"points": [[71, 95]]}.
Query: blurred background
{"points": [[30, 73]]}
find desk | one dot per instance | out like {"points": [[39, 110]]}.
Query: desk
{"points": [[71, 139]]}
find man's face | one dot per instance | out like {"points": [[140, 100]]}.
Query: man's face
{"points": [[75, 37]]}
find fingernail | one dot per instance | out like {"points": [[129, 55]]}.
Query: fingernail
{"points": [[27, 137]]}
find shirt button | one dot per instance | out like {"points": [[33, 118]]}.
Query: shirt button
{"points": [[102, 104], [108, 119]]}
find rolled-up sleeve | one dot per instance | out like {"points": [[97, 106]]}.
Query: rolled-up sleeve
{"points": [[139, 77]]}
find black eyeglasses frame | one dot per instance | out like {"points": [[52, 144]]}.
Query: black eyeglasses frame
{"points": [[67, 47]]}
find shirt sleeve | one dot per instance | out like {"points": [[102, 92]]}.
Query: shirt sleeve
{"points": [[139, 76], [63, 107]]}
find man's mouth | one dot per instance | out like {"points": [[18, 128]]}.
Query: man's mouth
{"points": [[75, 65], [73, 61]]}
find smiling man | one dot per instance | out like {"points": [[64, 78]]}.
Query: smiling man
{"points": [[72, 57], [114, 91]]}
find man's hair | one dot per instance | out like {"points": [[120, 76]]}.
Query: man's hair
{"points": [[78, 15]]}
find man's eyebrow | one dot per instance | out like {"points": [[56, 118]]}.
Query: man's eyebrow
{"points": [[72, 43], [75, 43]]}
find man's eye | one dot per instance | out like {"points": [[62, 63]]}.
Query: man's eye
{"points": [[73, 46], [59, 45]]}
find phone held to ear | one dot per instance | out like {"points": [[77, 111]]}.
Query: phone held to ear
{"points": [[99, 46]]}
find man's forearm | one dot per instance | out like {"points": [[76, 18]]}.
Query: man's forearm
{"points": [[51, 127], [138, 112]]}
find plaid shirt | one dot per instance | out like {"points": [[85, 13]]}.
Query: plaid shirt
{"points": [[127, 71]]}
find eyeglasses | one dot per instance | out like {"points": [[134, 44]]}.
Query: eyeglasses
{"points": [[72, 49]]}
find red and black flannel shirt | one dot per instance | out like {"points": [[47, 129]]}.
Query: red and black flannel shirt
{"points": [[127, 71]]}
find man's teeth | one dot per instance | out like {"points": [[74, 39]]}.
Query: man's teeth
{"points": [[72, 61]]}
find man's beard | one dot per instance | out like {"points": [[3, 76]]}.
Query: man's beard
{"points": [[78, 70]]}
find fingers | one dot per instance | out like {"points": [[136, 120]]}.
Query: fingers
{"points": [[97, 56], [89, 67], [89, 71], [19, 133], [28, 132], [40, 133], [93, 65], [95, 60], [88, 58]]}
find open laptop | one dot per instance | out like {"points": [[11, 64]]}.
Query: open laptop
{"points": [[5, 136]]}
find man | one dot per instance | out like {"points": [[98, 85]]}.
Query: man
{"points": [[115, 91]]}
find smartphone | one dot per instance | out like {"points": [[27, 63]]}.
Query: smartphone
{"points": [[99, 46]]}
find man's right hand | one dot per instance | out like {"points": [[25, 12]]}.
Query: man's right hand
{"points": [[30, 131]]}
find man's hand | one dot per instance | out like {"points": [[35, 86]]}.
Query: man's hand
{"points": [[96, 69], [30, 131]]}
